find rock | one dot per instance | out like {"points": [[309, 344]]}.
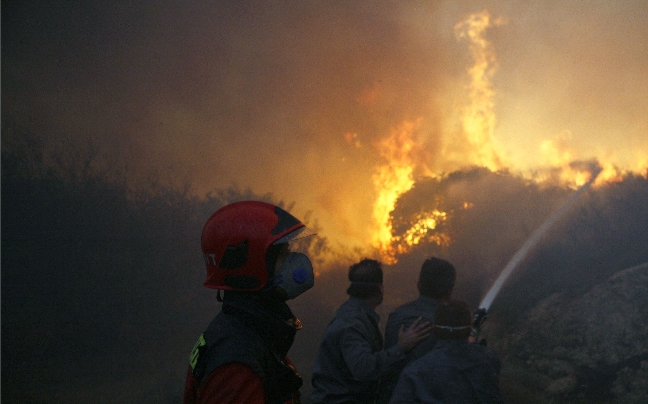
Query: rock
{"points": [[563, 385], [631, 385], [592, 348]]}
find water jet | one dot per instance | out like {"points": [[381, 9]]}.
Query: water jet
{"points": [[532, 242]]}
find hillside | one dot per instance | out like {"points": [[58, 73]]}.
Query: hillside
{"points": [[587, 349]]}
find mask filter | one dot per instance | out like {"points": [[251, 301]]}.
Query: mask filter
{"points": [[295, 275]]}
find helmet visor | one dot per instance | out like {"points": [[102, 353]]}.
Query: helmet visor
{"points": [[299, 239]]}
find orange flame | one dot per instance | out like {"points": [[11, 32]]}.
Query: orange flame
{"points": [[609, 174], [399, 149], [392, 180], [420, 231], [565, 171], [478, 118], [401, 152]]}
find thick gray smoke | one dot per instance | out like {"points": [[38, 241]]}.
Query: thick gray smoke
{"points": [[530, 243], [102, 293], [503, 211]]}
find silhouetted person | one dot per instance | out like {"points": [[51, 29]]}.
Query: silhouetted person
{"points": [[242, 356], [455, 370], [351, 358], [435, 284]]}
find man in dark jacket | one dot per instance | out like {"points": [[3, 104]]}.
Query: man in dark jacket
{"points": [[351, 358], [435, 284], [242, 356], [455, 370]]}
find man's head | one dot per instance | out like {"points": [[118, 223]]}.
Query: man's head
{"points": [[452, 320], [437, 278], [366, 279]]}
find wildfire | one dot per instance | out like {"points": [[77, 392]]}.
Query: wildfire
{"points": [[421, 230], [403, 153], [478, 119], [565, 171], [608, 175], [392, 180], [401, 150]]}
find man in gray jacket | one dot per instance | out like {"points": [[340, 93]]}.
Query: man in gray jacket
{"points": [[351, 358], [435, 284]]}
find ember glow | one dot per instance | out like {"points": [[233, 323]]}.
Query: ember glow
{"points": [[422, 230]]}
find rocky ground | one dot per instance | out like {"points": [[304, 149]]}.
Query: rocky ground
{"points": [[591, 348]]}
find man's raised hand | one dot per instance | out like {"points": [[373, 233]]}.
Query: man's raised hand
{"points": [[417, 332]]}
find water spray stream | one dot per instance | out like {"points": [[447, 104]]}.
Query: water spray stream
{"points": [[530, 243]]}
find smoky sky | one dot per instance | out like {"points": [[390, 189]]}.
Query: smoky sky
{"points": [[291, 97], [285, 101]]}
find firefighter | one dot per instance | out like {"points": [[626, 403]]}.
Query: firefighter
{"points": [[435, 284], [455, 370], [351, 358], [242, 355]]}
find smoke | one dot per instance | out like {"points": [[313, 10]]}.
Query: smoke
{"points": [[490, 216], [291, 98], [102, 293], [530, 243], [143, 119], [96, 277]]}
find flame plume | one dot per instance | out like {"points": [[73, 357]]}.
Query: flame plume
{"points": [[392, 180], [478, 120], [400, 150]]}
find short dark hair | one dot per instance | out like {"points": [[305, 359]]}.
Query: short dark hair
{"points": [[437, 278], [366, 277], [452, 320]]}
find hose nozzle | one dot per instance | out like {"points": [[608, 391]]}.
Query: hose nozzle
{"points": [[479, 316]]}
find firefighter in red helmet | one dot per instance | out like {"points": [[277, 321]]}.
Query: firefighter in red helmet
{"points": [[241, 357]]}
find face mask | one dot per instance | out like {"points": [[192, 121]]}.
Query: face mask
{"points": [[295, 275]]}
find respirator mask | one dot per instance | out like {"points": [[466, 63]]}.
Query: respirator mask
{"points": [[294, 277]]}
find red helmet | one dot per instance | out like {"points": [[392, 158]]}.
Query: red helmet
{"points": [[235, 241]]}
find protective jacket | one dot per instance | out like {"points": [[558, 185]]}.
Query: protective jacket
{"points": [[351, 358], [405, 315], [249, 338], [454, 371]]}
